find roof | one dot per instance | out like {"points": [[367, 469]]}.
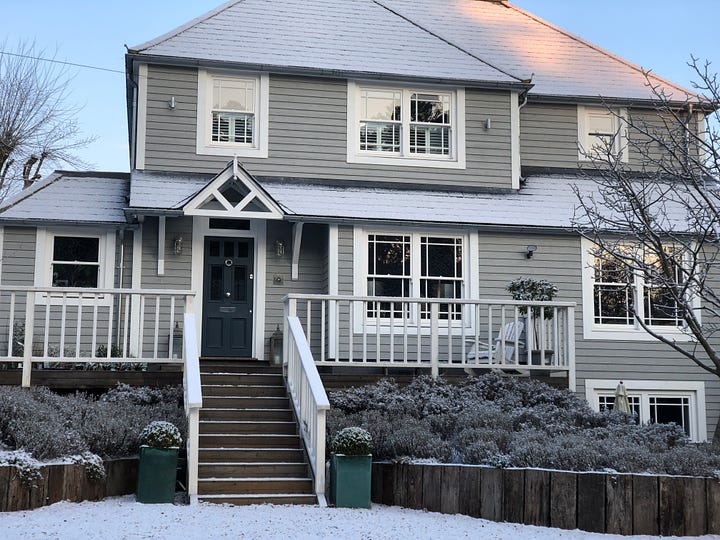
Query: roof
{"points": [[306, 199], [71, 197], [351, 36], [456, 40]]}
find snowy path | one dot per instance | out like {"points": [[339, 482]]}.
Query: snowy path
{"points": [[123, 518]]}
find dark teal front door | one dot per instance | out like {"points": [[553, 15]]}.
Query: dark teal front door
{"points": [[228, 297]]}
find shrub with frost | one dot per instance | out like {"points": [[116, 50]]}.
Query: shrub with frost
{"points": [[352, 441], [160, 434]]}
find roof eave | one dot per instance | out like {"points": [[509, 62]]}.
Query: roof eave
{"points": [[320, 72], [705, 105]]}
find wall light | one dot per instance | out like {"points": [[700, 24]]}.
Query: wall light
{"points": [[171, 103], [178, 245], [531, 249], [279, 248]]}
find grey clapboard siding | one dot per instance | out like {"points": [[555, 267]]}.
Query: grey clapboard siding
{"points": [[307, 131], [558, 259], [18, 257], [548, 135]]}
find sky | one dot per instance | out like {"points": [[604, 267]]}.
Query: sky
{"points": [[656, 34]]}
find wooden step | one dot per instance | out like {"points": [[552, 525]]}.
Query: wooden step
{"points": [[243, 402], [255, 486], [247, 440], [263, 379], [258, 415], [253, 470], [243, 390], [244, 500], [247, 426], [251, 455]]}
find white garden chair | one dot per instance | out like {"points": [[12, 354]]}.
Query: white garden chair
{"points": [[511, 334]]}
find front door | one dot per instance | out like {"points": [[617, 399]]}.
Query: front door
{"points": [[228, 297]]}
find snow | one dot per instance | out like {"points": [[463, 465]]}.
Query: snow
{"points": [[123, 518]]}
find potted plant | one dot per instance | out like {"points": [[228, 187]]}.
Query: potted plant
{"points": [[534, 290], [351, 468], [159, 445]]}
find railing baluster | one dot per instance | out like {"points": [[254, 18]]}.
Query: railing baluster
{"points": [[61, 354], [141, 329], [503, 337], [46, 331], [556, 341], [93, 345], [364, 328], [11, 326], [418, 321], [322, 331], [79, 325], [351, 331], [171, 332], [392, 332], [126, 325], [491, 353], [405, 332], [157, 328]]}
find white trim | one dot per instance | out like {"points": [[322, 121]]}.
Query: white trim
{"points": [[515, 139], [141, 128], [591, 330], [2, 249], [333, 285], [695, 390], [258, 233], [193, 207], [259, 148], [44, 244], [136, 283], [297, 230], [161, 246], [471, 273], [619, 126], [354, 155]]}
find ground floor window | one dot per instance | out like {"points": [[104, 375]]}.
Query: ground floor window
{"points": [[681, 402]]}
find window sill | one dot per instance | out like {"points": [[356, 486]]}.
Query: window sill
{"points": [[375, 159], [618, 333], [231, 151]]}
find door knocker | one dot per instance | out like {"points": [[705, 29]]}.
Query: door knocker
{"points": [[228, 262]]}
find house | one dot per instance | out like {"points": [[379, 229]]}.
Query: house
{"points": [[292, 162]]}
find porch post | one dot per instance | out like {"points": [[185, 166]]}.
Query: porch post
{"points": [[434, 340], [571, 348], [28, 339]]}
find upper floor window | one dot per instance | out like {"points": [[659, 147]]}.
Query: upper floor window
{"points": [[232, 114], [601, 130], [618, 294], [406, 126]]}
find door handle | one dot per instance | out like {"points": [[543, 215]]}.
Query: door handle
{"points": [[227, 294], [251, 276]]}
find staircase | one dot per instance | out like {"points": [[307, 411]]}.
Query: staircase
{"points": [[250, 450]]}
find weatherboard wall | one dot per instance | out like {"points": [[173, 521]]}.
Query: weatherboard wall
{"points": [[308, 134]]}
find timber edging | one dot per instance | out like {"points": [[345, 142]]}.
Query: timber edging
{"points": [[66, 482], [615, 503]]}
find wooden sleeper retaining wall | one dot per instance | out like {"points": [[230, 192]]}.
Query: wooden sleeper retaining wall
{"points": [[66, 482], [595, 502]]}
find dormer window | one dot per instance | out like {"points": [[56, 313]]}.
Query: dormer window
{"points": [[421, 127], [232, 114], [601, 130]]}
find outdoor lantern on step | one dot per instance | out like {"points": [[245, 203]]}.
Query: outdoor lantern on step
{"points": [[276, 346]]}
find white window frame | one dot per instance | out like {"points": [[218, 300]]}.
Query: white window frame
{"points": [[44, 246], [634, 332], [619, 127], [470, 286], [456, 159], [205, 144], [645, 389]]}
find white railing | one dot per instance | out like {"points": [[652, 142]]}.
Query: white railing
{"points": [[193, 402], [90, 326], [437, 333], [309, 399]]}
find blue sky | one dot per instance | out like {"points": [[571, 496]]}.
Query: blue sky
{"points": [[657, 34]]}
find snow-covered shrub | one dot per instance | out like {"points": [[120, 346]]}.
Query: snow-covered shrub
{"points": [[511, 422], [27, 467], [352, 441], [93, 464], [160, 434]]}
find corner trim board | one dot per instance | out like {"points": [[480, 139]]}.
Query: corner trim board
{"points": [[141, 116]]}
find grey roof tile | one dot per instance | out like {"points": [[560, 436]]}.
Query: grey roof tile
{"points": [[71, 197], [164, 190]]}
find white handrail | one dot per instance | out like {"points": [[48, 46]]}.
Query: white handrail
{"points": [[193, 402], [309, 400]]}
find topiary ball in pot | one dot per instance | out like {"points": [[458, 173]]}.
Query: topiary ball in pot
{"points": [[351, 468], [160, 434], [352, 441], [157, 471]]}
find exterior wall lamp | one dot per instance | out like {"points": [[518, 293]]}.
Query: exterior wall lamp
{"points": [[276, 346], [279, 248], [531, 249], [178, 245]]}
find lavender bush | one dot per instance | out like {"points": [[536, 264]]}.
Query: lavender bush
{"points": [[510, 422]]}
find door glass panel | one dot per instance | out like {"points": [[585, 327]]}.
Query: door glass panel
{"points": [[242, 250], [214, 248], [239, 284], [229, 249], [216, 282]]}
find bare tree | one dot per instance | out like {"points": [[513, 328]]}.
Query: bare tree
{"points": [[38, 127], [657, 222]]}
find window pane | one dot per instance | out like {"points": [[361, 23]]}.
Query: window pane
{"points": [[73, 248], [234, 94], [612, 304], [214, 249], [441, 273], [380, 137], [75, 275], [380, 105], [430, 108], [607, 403], [232, 127], [239, 284], [389, 255], [664, 410], [430, 140], [216, 282]]}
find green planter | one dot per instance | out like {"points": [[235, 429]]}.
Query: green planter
{"points": [[156, 475], [350, 481]]}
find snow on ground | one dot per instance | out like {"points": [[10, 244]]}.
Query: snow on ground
{"points": [[122, 518]]}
